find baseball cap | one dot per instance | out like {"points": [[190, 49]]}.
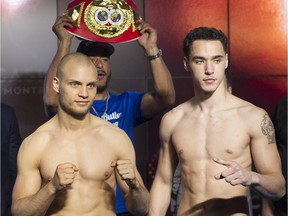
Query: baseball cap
{"points": [[91, 48]]}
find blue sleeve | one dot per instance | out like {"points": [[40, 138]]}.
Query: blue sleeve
{"points": [[135, 99]]}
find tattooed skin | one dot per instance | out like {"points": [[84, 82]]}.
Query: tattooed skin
{"points": [[268, 129]]}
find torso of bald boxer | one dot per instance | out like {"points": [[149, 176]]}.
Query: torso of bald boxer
{"points": [[70, 164], [216, 137]]}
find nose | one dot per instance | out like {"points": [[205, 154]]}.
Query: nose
{"points": [[97, 62], [209, 68], [83, 92]]}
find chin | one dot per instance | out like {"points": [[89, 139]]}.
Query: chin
{"points": [[80, 112], [79, 115], [209, 89], [101, 88]]}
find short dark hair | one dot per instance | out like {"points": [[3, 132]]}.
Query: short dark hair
{"points": [[203, 33]]}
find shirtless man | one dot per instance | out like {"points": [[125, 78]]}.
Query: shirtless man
{"points": [[214, 136], [70, 165]]}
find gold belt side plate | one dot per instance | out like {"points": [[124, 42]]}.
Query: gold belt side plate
{"points": [[76, 13]]}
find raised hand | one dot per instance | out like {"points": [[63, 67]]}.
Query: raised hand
{"points": [[60, 24], [148, 37]]}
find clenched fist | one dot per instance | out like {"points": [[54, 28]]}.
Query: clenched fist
{"points": [[64, 175], [126, 170]]}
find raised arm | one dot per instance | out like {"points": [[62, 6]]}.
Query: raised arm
{"points": [[160, 192], [50, 97], [163, 95], [135, 193]]}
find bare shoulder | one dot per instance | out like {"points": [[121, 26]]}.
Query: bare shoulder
{"points": [[246, 109], [36, 143], [110, 132], [179, 111], [115, 138], [171, 119], [102, 126], [253, 116], [39, 133]]}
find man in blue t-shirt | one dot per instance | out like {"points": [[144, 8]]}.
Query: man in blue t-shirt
{"points": [[126, 110]]}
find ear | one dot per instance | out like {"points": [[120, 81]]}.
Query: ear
{"points": [[186, 63], [226, 63], [56, 84]]}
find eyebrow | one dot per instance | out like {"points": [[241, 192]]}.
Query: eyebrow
{"points": [[75, 81], [81, 83], [202, 58], [94, 83]]}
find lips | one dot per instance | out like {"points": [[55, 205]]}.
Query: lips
{"points": [[209, 80], [101, 75], [82, 103]]}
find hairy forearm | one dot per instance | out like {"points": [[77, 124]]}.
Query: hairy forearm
{"points": [[269, 186], [137, 200], [35, 205]]}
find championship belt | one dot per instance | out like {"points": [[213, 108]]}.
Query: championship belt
{"points": [[111, 21]]}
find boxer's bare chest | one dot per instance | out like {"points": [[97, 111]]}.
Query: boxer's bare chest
{"points": [[92, 157], [207, 136]]}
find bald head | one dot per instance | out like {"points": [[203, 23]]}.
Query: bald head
{"points": [[72, 61], [75, 69], [76, 80]]}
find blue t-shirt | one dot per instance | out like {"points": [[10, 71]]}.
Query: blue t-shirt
{"points": [[124, 111]]}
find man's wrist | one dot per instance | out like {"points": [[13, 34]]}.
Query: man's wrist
{"points": [[51, 187], [134, 184], [152, 57]]}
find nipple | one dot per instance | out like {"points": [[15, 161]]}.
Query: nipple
{"points": [[106, 174], [229, 151]]}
